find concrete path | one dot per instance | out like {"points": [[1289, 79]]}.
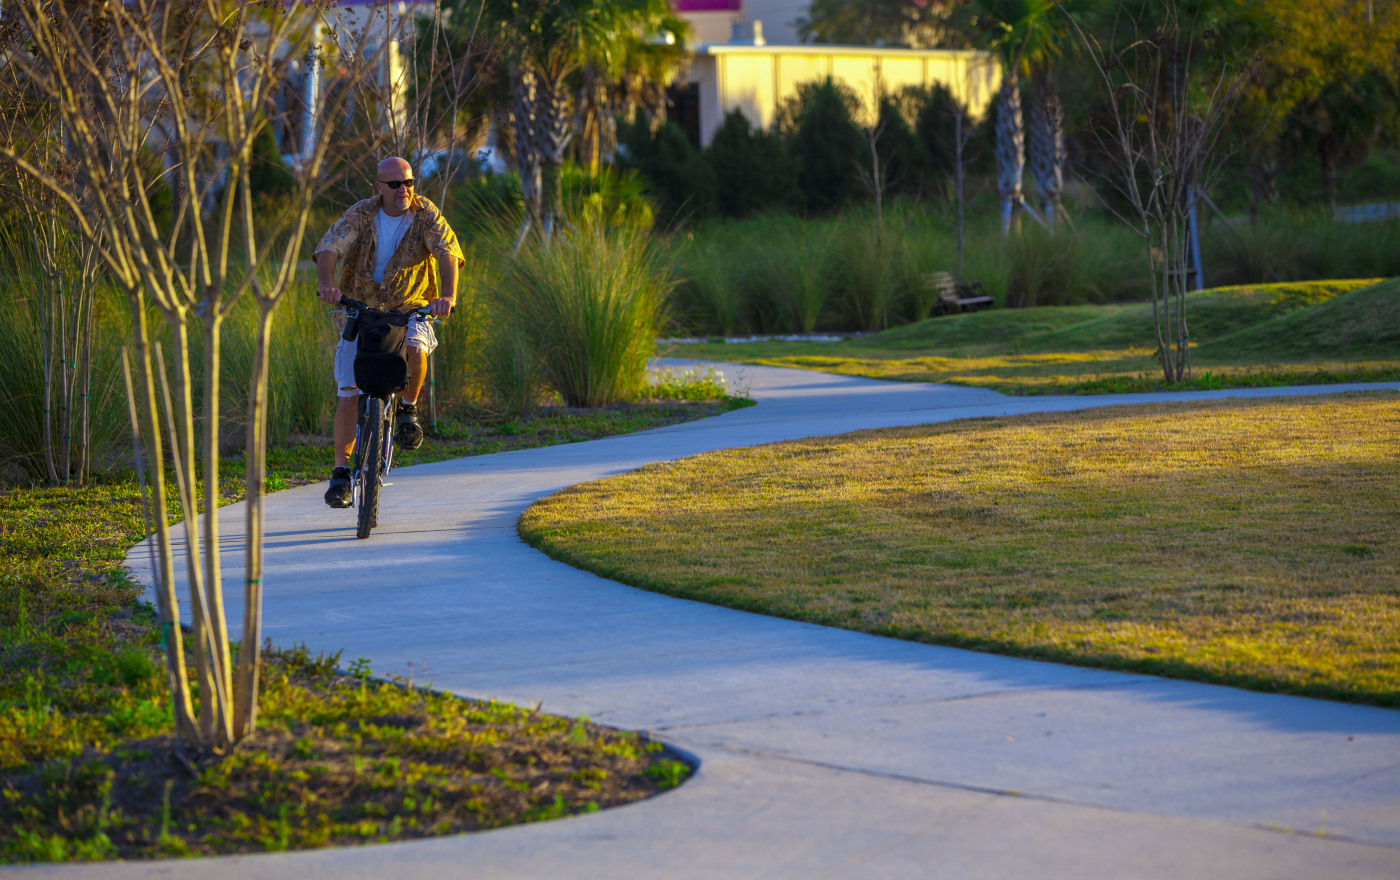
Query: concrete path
{"points": [[823, 753]]}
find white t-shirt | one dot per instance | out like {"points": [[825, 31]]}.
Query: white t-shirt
{"points": [[390, 231]]}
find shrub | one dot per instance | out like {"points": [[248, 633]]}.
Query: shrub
{"points": [[612, 197], [934, 127], [267, 175], [681, 183], [1299, 246], [751, 170], [300, 390], [827, 145]]}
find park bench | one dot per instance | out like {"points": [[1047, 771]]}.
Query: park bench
{"points": [[954, 297]]}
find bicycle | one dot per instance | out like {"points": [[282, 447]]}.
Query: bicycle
{"points": [[373, 455]]}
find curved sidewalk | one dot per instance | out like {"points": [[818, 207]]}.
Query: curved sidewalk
{"points": [[824, 753]]}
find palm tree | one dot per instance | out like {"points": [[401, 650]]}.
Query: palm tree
{"points": [[545, 43], [1028, 37], [634, 77]]}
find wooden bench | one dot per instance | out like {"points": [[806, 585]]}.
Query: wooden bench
{"points": [[954, 297]]}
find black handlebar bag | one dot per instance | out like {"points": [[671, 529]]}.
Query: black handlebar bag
{"points": [[381, 364]]}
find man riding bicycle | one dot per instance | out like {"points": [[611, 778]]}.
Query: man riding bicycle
{"points": [[389, 244]]}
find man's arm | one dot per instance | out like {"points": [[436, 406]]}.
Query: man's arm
{"points": [[447, 285], [325, 277]]}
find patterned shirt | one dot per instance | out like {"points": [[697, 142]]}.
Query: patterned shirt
{"points": [[410, 278]]}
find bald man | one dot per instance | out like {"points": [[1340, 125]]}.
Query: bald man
{"points": [[389, 244]]}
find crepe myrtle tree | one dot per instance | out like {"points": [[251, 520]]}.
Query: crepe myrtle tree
{"points": [[1163, 132], [111, 74]]}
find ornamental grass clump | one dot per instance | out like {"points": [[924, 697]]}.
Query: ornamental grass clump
{"points": [[793, 269], [710, 299], [590, 305]]}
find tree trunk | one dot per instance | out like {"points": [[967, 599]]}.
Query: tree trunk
{"points": [[182, 443], [245, 716], [213, 574], [1263, 178], [958, 143], [523, 87], [1010, 150], [1047, 145], [146, 432], [1327, 150], [554, 134]]}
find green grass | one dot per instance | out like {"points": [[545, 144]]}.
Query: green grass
{"points": [[1246, 543], [1324, 331], [84, 703]]}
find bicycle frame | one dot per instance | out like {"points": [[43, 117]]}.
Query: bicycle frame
{"points": [[373, 451]]}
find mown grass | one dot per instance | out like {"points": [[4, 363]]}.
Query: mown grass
{"points": [[1243, 542], [84, 704], [1276, 334]]}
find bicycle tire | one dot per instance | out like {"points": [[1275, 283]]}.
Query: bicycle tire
{"points": [[370, 462]]}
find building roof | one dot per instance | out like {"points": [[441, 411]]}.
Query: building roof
{"points": [[708, 5]]}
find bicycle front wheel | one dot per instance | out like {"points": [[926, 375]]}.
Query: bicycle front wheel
{"points": [[372, 465]]}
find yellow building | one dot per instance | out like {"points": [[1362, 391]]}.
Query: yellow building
{"points": [[757, 78]]}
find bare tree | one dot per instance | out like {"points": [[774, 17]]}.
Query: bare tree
{"points": [[67, 289], [116, 76], [1161, 130]]}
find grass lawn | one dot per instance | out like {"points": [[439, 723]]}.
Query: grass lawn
{"points": [[1276, 334], [1245, 542], [88, 770]]}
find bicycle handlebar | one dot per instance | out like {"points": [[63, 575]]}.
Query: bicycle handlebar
{"points": [[355, 305]]}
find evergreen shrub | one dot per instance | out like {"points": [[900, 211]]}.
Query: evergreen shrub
{"points": [[752, 171], [681, 182], [827, 144]]}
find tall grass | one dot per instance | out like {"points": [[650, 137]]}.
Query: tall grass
{"points": [[301, 391], [1299, 246], [791, 258], [710, 294], [589, 305], [1095, 262]]}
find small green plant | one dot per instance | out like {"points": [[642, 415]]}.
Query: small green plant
{"points": [[690, 383], [298, 659], [667, 773]]}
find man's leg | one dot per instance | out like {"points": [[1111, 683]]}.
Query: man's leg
{"points": [[410, 433], [347, 413], [417, 373]]}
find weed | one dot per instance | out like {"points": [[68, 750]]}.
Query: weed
{"points": [[668, 773]]}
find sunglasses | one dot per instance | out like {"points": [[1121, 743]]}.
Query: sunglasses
{"points": [[395, 184]]}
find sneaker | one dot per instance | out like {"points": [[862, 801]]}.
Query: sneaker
{"points": [[410, 433], [339, 495]]}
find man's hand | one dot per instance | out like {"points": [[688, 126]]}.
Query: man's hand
{"points": [[328, 293], [440, 307]]}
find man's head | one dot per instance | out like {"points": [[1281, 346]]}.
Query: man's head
{"points": [[395, 170]]}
